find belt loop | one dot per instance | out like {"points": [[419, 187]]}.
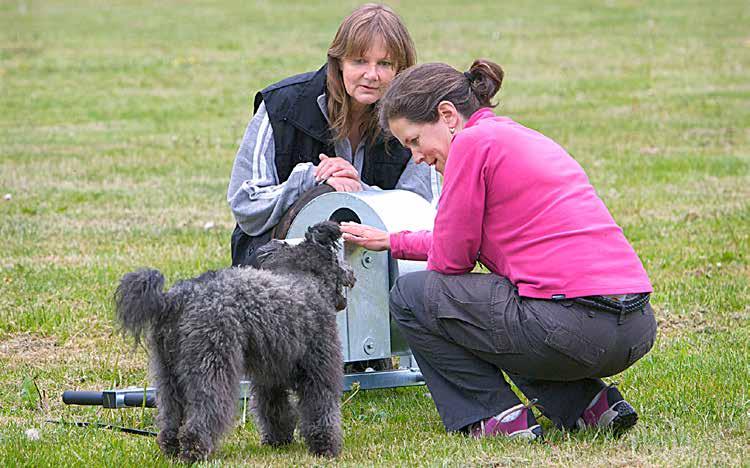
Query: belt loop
{"points": [[621, 318]]}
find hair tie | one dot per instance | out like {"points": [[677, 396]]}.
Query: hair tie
{"points": [[469, 75]]}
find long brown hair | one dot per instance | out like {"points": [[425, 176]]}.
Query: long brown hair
{"points": [[356, 34], [416, 93]]}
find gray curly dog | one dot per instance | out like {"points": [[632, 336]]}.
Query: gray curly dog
{"points": [[277, 324]]}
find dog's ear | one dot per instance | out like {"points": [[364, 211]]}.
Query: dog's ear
{"points": [[326, 233], [268, 249], [349, 279]]}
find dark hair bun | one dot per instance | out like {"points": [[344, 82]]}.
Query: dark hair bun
{"points": [[486, 78]]}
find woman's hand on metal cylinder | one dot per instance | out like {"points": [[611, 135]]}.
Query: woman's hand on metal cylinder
{"points": [[344, 184], [365, 236], [335, 167]]}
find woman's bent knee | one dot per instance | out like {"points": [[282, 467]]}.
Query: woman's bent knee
{"points": [[407, 293]]}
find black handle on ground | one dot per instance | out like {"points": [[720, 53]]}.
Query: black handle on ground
{"points": [[82, 397], [136, 400]]}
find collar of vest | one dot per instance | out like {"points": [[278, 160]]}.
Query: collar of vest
{"points": [[299, 115]]}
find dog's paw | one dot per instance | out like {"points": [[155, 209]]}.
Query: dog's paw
{"points": [[194, 448], [192, 456], [168, 443], [328, 452], [326, 444], [276, 440]]}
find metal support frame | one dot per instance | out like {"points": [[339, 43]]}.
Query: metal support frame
{"points": [[133, 397]]}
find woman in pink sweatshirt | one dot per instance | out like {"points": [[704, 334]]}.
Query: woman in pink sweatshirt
{"points": [[567, 299]]}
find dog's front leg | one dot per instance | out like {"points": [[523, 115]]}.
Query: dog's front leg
{"points": [[275, 413], [320, 415]]}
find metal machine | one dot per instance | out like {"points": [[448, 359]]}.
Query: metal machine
{"points": [[365, 327]]}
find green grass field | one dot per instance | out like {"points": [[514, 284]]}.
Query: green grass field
{"points": [[118, 127]]}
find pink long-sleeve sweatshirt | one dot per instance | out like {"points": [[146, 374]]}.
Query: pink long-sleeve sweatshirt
{"points": [[517, 202]]}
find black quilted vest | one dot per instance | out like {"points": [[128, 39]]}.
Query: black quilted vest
{"points": [[301, 132]]}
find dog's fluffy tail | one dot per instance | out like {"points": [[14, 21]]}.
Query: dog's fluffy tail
{"points": [[140, 301]]}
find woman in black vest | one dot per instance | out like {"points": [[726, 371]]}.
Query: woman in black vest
{"points": [[321, 128]]}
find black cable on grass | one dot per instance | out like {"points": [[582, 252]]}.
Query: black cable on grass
{"points": [[128, 430]]}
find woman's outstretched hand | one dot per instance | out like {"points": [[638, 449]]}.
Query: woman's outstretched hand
{"points": [[365, 236]]}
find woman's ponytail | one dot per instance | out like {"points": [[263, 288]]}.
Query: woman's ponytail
{"points": [[485, 79], [415, 93]]}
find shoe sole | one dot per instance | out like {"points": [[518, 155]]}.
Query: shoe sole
{"points": [[532, 433]]}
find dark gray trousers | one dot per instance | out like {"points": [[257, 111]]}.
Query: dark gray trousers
{"points": [[465, 329]]}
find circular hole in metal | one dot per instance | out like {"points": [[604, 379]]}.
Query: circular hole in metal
{"points": [[344, 214]]}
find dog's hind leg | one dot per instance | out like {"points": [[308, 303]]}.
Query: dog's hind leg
{"points": [[169, 399], [209, 377], [320, 409], [275, 414]]}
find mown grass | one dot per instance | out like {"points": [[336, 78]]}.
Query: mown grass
{"points": [[119, 126]]}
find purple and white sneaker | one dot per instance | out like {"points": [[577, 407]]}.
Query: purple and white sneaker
{"points": [[608, 409], [515, 422]]}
